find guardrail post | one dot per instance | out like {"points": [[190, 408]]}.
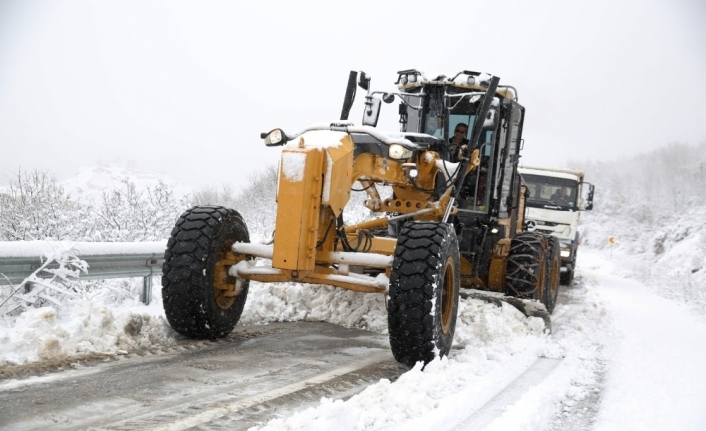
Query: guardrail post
{"points": [[147, 283], [147, 290]]}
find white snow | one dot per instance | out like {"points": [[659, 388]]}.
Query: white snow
{"points": [[49, 248], [654, 380], [319, 138], [293, 163]]}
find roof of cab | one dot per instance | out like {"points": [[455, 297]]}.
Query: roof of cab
{"points": [[475, 82]]}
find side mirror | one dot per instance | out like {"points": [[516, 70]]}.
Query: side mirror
{"points": [[587, 203], [491, 120], [372, 111], [364, 81], [388, 97]]}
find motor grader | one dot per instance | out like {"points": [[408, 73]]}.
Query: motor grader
{"points": [[446, 220]]}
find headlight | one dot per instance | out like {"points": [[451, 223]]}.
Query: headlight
{"points": [[397, 152], [565, 253], [275, 137]]}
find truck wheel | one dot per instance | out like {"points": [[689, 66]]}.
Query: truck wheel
{"points": [[201, 300], [527, 269], [424, 291], [568, 276], [551, 290]]}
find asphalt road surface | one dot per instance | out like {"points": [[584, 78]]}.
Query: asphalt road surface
{"points": [[257, 373]]}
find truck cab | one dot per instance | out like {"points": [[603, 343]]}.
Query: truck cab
{"points": [[555, 200]]}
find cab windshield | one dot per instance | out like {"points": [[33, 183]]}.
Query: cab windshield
{"points": [[551, 193]]}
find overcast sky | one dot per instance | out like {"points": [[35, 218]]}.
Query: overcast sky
{"points": [[183, 89]]}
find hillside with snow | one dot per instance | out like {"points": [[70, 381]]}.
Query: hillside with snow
{"points": [[90, 183]]}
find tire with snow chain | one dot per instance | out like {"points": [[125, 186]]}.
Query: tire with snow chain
{"points": [[424, 292], [201, 300], [526, 268], [551, 285]]}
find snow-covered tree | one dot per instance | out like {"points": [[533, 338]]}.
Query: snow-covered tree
{"points": [[35, 207]]}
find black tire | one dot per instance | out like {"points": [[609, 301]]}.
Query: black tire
{"points": [[568, 276], [526, 269], [551, 290], [200, 297], [424, 292]]}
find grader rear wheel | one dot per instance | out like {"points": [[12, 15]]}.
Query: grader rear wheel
{"points": [[201, 299], [526, 269], [533, 268], [424, 292], [551, 289]]}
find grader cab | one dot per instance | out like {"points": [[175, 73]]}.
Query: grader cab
{"points": [[450, 224]]}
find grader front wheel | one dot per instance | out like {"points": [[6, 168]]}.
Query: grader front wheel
{"points": [[424, 292], [201, 299]]}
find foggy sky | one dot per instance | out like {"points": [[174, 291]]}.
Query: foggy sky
{"points": [[183, 89]]}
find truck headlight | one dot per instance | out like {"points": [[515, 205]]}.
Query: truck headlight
{"points": [[565, 253]]}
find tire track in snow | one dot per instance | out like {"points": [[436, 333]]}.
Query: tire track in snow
{"points": [[509, 395]]}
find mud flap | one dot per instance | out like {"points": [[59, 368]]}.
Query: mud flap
{"points": [[528, 307]]}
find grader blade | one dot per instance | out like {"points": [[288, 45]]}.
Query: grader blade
{"points": [[528, 307]]}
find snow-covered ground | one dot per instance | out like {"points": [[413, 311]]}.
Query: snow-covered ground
{"points": [[626, 358], [626, 350]]}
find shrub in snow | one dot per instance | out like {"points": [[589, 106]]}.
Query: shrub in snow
{"points": [[35, 207], [129, 214], [52, 283]]}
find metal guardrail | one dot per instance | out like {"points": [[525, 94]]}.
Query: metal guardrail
{"points": [[100, 267]]}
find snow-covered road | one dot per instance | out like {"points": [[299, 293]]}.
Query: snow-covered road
{"points": [[620, 358], [627, 360], [655, 375]]}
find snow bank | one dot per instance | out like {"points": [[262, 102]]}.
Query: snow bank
{"points": [[667, 253], [87, 328]]}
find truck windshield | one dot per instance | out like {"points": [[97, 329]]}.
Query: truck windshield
{"points": [[551, 193]]}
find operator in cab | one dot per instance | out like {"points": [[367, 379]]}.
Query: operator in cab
{"points": [[457, 141]]}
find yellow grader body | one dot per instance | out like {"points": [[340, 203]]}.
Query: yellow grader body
{"points": [[314, 186]]}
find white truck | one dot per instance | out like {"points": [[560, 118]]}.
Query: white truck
{"points": [[556, 199]]}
